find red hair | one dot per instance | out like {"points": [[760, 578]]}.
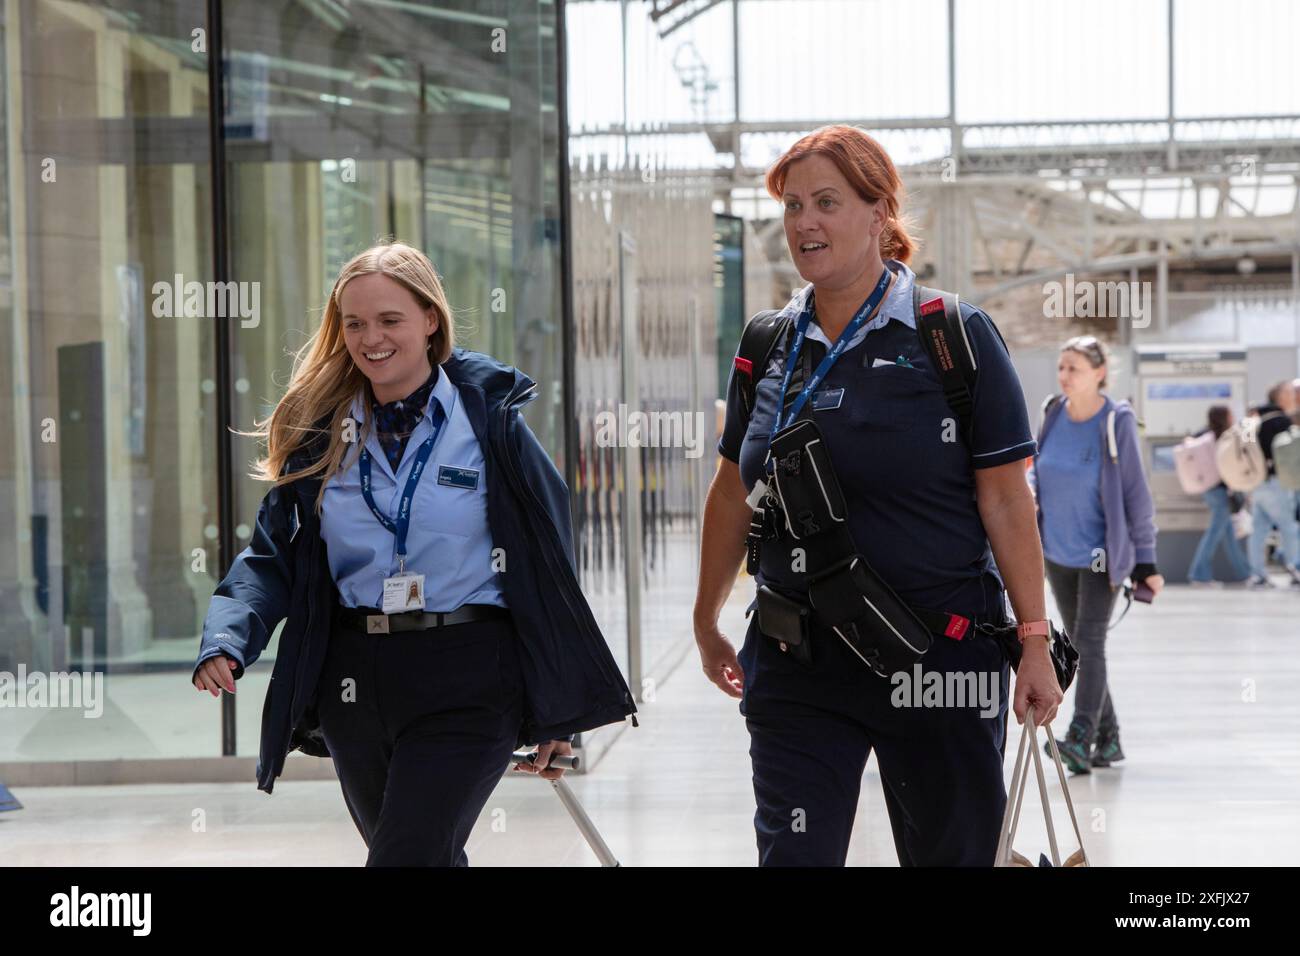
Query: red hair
{"points": [[865, 164]]}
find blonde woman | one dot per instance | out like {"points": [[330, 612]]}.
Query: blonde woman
{"points": [[417, 539]]}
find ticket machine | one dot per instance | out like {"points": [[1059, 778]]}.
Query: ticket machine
{"points": [[1173, 387]]}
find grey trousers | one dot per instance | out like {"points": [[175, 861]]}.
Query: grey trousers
{"points": [[1084, 599]]}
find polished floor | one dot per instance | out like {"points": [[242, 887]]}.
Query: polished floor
{"points": [[1204, 682]]}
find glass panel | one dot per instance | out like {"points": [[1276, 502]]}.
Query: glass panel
{"points": [[433, 122], [107, 478]]}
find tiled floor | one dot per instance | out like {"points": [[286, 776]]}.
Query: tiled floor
{"points": [[1204, 683]]}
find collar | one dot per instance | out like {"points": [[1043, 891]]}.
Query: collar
{"points": [[897, 306], [443, 391]]}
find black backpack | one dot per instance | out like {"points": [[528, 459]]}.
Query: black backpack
{"points": [[938, 324]]}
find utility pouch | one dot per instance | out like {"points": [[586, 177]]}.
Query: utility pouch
{"points": [[1065, 657], [805, 481], [786, 622], [864, 611]]}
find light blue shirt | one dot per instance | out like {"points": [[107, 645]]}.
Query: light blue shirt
{"points": [[1069, 491], [897, 305], [449, 541]]}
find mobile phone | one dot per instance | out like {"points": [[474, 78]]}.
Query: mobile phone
{"points": [[1141, 592]]}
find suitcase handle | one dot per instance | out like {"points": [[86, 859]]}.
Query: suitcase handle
{"points": [[557, 761]]}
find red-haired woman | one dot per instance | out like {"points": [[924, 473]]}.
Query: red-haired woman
{"points": [[930, 502]]}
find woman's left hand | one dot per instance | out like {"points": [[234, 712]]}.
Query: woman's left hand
{"points": [[1036, 684], [557, 748], [1155, 582]]}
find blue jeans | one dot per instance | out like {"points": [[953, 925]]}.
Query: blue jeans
{"points": [[1273, 505], [1219, 531]]}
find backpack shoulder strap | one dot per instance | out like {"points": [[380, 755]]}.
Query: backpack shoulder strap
{"points": [[943, 336], [1049, 403], [757, 341]]}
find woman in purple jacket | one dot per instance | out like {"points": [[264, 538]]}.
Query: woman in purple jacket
{"points": [[1095, 516]]}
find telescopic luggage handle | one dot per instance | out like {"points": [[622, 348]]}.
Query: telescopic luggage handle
{"points": [[571, 804], [557, 761]]}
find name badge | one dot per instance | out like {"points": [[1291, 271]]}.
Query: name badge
{"points": [[454, 477], [827, 398], [403, 592]]}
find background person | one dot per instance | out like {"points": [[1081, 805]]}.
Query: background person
{"points": [[1219, 531], [1097, 521], [1273, 506]]}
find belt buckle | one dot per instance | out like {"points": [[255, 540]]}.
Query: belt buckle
{"points": [[376, 623]]}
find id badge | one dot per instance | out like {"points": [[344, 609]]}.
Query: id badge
{"points": [[827, 399], [403, 592]]}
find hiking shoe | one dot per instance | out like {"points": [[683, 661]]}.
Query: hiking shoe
{"points": [[1107, 750], [1075, 748]]}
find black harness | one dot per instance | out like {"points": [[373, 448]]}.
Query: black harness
{"points": [[805, 505]]}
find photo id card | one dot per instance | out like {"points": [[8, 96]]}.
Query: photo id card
{"points": [[403, 592]]}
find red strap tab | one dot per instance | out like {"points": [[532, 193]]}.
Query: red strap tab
{"points": [[745, 365], [957, 626], [934, 305]]}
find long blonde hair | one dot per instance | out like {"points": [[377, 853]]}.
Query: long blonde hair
{"points": [[325, 379]]}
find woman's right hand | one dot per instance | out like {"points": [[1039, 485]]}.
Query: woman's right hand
{"points": [[718, 659], [216, 673]]}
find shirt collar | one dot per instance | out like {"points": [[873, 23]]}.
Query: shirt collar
{"points": [[897, 305], [443, 391]]}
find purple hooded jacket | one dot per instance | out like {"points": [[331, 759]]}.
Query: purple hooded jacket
{"points": [[1125, 498]]}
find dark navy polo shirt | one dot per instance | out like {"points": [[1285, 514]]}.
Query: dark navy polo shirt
{"points": [[905, 468]]}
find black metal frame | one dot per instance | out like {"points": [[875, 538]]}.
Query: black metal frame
{"points": [[568, 358], [221, 273]]}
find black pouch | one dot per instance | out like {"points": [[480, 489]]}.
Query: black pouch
{"points": [[856, 602], [785, 621], [1065, 657], [810, 495]]}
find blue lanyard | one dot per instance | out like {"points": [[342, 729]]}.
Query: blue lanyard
{"points": [[825, 366], [403, 523]]}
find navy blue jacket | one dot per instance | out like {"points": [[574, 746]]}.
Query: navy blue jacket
{"points": [[571, 682]]}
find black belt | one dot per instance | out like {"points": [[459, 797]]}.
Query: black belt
{"points": [[370, 620]]}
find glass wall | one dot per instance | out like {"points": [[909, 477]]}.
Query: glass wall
{"points": [[433, 122], [107, 506], [645, 305]]}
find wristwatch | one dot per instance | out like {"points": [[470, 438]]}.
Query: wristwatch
{"points": [[1033, 629]]}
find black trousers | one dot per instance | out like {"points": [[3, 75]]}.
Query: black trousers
{"points": [[421, 726], [812, 728]]}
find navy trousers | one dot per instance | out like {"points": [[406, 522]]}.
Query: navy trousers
{"points": [[812, 728], [421, 726]]}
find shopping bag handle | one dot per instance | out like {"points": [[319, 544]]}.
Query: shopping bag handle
{"points": [[1016, 793]]}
